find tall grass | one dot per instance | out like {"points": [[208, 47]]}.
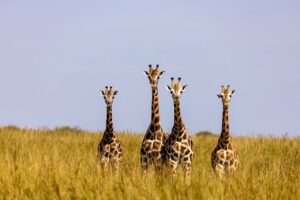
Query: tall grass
{"points": [[62, 164]]}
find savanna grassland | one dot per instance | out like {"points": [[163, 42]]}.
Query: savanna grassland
{"points": [[62, 164]]}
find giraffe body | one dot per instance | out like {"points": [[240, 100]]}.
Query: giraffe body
{"points": [[224, 160], [224, 157], [179, 147], [151, 150], [152, 145], [179, 150], [109, 148]]}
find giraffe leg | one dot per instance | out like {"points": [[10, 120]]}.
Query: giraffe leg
{"points": [[104, 166], [172, 165], [144, 163], [233, 165], [116, 166], [102, 160], [158, 164], [157, 161], [187, 168], [219, 170], [145, 156], [236, 163]]}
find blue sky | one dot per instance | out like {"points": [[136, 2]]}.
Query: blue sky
{"points": [[55, 56]]}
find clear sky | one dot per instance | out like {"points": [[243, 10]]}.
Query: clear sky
{"points": [[56, 55]]}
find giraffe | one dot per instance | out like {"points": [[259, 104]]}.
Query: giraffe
{"points": [[179, 146], [152, 145], [109, 148], [224, 157]]}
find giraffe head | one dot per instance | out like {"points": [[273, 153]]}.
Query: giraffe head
{"points": [[109, 95], [226, 94], [176, 89], [153, 75]]}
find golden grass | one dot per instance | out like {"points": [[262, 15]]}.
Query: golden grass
{"points": [[62, 164]]}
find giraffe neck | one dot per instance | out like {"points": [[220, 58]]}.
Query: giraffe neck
{"points": [[109, 124], [155, 117], [224, 139], [178, 128]]}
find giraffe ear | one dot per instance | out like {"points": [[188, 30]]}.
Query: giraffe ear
{"points": [[233, 92], [161, 73], [146, 73], [168, 88], [184, 88], [116, 92], [102, 92]]}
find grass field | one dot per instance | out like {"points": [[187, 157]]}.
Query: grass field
{"points": [[62, 164]]}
